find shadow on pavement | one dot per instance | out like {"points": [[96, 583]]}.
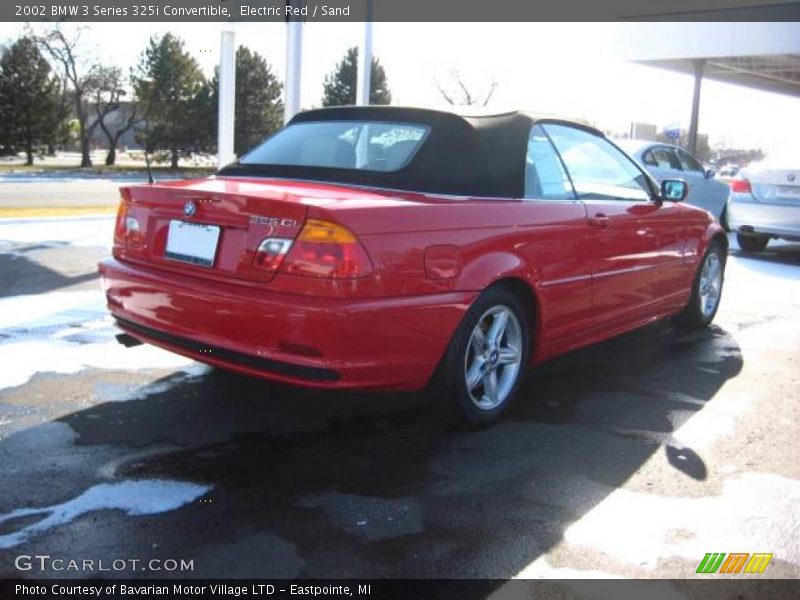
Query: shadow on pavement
{"points": [[775, 253], [310, 484], [23, 275]]}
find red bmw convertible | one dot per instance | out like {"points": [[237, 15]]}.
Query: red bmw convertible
{"points": [[397, 248]]}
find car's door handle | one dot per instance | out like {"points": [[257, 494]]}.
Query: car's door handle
{"points": [[599, 220]]}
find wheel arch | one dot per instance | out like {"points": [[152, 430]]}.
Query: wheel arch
{"points": [[527, 295], [714, 234]]}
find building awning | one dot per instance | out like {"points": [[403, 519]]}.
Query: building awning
{"points": [[779, 73], [763, 56]]}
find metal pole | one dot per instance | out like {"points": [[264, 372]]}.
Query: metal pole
{"points": [[227, 98], [365, 60], [294, 60], [699, 65]]}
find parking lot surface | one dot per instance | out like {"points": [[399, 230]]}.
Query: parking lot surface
{"points": [[631, 458]]}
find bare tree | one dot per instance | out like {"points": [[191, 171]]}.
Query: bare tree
{"points": [[108, 97], [458, 94], [81, 75]]}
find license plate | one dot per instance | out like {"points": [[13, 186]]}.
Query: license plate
{"points": [[192, 243], [789, 190]]}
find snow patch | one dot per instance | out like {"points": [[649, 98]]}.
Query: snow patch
{"points": [[76, 231], [66, 332], [54, 308], [23, 360], [143, 497]]}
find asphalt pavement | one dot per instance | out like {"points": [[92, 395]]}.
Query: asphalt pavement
{"points": [[59, 193], [633, 458]]}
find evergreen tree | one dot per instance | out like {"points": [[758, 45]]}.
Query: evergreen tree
{"points": [[167, 83], [31, 110], [259, 108], [340, 86]]}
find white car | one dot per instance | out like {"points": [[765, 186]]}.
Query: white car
{"points": [[664, 161], [764, 202]]}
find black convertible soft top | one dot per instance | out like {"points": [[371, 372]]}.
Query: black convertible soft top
{"points": [[462, 155]]}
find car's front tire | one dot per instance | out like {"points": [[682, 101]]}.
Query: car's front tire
{"points": [[482, 368], [706, 289], [752, 243]]}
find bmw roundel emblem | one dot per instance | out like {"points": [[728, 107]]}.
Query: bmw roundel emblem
{"points": [[790, 176], [189, 209]]}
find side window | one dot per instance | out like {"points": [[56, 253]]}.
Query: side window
{"points": [[665, 159], [649, 159], [544, 175], [597, 168], [688, 162]]}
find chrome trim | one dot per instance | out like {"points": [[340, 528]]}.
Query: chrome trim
{"points": [[563, 280], [623, 271]]}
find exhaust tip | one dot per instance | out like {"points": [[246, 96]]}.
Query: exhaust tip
{"points": [[128, 340]]}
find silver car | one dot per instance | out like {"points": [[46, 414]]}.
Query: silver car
{"points": [[765, 202], [664, 161]]}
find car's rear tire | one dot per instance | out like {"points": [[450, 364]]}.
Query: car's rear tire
{"points": [[706, 289], [751, 243], [481, 370]]}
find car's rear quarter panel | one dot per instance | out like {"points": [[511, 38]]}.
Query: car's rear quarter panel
{"points": [[543, 244]]}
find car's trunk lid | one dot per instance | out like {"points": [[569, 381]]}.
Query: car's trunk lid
{"points": [[210, 227], [776, 184]]}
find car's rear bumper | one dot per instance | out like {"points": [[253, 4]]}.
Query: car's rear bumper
{"points": [[381, 343], [747, 215]]}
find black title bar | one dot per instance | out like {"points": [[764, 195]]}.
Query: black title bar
{"points": [[397, 10], [396, 589]]}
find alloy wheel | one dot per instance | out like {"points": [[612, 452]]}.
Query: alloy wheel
{"points": [[710, 284], [493, 359]]}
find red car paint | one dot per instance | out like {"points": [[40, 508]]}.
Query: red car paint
{"points": [[591, 270]]}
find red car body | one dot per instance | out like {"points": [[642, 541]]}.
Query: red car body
{"points": [[588, 269]]}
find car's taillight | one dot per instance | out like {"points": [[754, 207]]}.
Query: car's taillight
{"points": [[741, 186], [325, 249], [127, 230], [134, 238], [271, 252], [119, 227]]}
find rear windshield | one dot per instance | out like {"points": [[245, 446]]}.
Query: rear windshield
{"points": [[364, 145]]}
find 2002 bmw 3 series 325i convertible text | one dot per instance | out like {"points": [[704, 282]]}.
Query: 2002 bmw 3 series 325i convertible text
{"points": [[396, 248]]}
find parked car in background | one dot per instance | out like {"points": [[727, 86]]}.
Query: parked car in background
{"points": [[729, 170], [765, 201], [664, 161], [394, 248]]}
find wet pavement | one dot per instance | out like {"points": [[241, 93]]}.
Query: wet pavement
{"points": [[632, 458]]}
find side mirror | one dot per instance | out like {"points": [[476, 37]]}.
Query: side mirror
{"points": [[710, 173], [674, 190]]}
